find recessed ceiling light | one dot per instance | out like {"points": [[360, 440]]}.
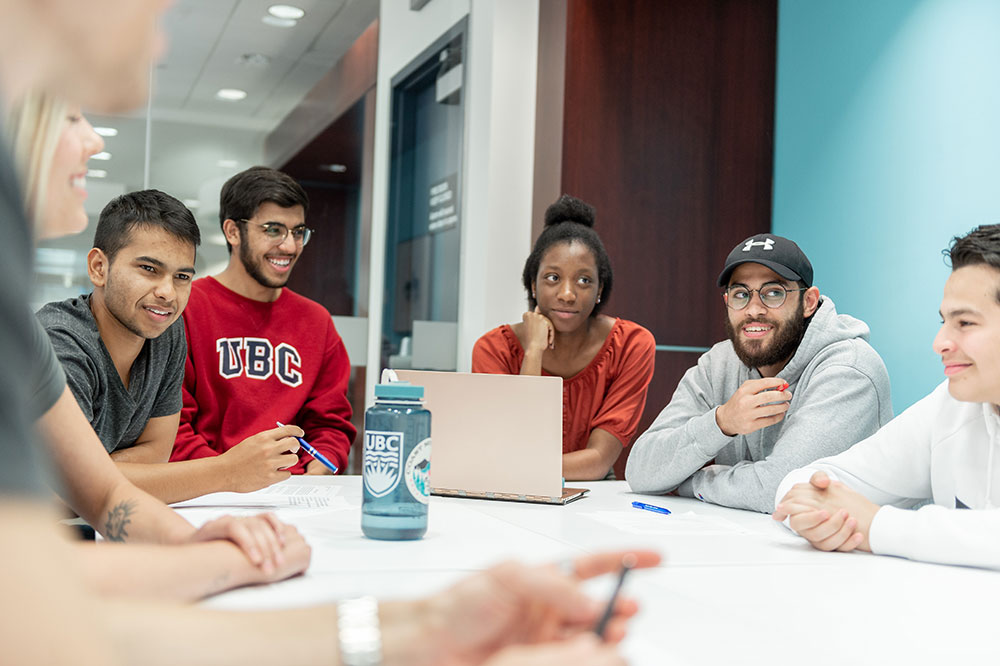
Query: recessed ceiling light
{"points": [[335, 168], [103, 155], [276, 22], [106, 131], [286, 12], [97, 173], [192, 203], [227, 164], [231, 94]]}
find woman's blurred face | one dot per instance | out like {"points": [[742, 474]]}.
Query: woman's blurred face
{"points": [[102, 49], [67, 185]]}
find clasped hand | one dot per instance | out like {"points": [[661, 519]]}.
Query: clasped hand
{"points": [[277, 549], [828, 514]]}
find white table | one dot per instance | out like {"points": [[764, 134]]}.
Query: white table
{"points": [[735, 588]]}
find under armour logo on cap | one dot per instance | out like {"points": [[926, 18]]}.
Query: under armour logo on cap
{"points": [[778, 253], [767, 244]]}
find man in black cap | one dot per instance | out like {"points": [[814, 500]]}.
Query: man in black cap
{"points": [[794, 382]]}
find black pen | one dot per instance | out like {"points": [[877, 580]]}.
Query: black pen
{"points": [[628, 562]]}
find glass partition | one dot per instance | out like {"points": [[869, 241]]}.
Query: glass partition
{"points": [[223, 100], [424, 218]]}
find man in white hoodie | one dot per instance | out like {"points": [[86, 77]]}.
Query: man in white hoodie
{"points": [[794, 382], [943, 448]]}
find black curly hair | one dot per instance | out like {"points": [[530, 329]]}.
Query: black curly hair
{"points": [[567, 220]]}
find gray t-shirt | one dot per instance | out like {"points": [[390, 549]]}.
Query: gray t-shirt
{"points": [[30, 379], [118, 415]]}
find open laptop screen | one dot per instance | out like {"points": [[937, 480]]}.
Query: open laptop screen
{"points": [[497, 434]]}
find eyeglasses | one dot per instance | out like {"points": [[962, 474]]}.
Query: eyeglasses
{"points": [[771, 295], [276, 232]]}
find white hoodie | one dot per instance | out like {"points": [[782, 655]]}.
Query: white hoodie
{"points": [[940, 449]]}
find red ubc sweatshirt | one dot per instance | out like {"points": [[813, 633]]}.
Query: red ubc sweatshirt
{"points": [[250, 364]]}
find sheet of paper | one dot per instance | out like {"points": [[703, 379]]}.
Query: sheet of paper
{"points": [[278, 496], [636, 521]]}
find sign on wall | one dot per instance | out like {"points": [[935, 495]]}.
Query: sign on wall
{"points": [[443, 208]]}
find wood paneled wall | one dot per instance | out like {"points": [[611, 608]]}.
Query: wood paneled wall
{"points": [[668, 131]]}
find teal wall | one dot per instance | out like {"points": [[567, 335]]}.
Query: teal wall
{"points": [[887, 144]]}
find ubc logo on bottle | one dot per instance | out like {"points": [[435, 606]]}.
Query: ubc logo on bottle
{"points": [[383, 461]]}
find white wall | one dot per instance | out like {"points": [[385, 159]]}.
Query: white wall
{"points": [[499, 166], [497, 173]]}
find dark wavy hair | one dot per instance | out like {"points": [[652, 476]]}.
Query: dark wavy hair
{"points": [[979, 246], [244, 193], [567, 220], [146, 208]]}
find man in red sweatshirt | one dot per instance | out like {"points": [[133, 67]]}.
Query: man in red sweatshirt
{"points": [[258, 353]]}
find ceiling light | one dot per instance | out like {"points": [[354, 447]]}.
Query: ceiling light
{"points": [[103, 155], [97, 173], [335, 168], [106, 131], [192, 203], [227, 164], [276, 22], [231, 94], [286, 12]]}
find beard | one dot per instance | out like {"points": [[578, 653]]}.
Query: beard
{"points": [[785, 340], [252, 265]]}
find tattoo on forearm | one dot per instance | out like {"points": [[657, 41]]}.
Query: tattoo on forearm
{"points": [[118, 518]]}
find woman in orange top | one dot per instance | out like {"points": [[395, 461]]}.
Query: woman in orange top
{"points": [[605, 362]]}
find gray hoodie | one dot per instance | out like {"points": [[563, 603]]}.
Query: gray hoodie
{"points": [[840, 395]]}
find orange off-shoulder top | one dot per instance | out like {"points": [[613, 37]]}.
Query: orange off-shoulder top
{"points": [[609, 393]]}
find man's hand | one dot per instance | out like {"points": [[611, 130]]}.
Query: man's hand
{"points": [[748, 410], [262, 459], [828, 514], [275, 548], [516, 604], [538, 331]]}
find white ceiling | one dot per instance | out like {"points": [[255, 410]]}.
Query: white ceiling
{"points": [[209, 39], [191, 130]]}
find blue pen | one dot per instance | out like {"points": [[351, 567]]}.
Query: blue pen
{"points": [[312, 451], [651, 507]]}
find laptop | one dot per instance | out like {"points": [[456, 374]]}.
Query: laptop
{"points": [[495, 436]]}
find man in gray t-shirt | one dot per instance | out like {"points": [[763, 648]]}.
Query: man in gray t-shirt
{"points": [[122, 346], [124, 351], [118, 413]]}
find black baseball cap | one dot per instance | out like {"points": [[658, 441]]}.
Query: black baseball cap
{"points": [[777, 253]]}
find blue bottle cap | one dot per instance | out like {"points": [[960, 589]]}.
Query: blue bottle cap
{"points": [[399, 391]]}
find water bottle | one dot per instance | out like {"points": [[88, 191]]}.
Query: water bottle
{"points": [[397, 463]]}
